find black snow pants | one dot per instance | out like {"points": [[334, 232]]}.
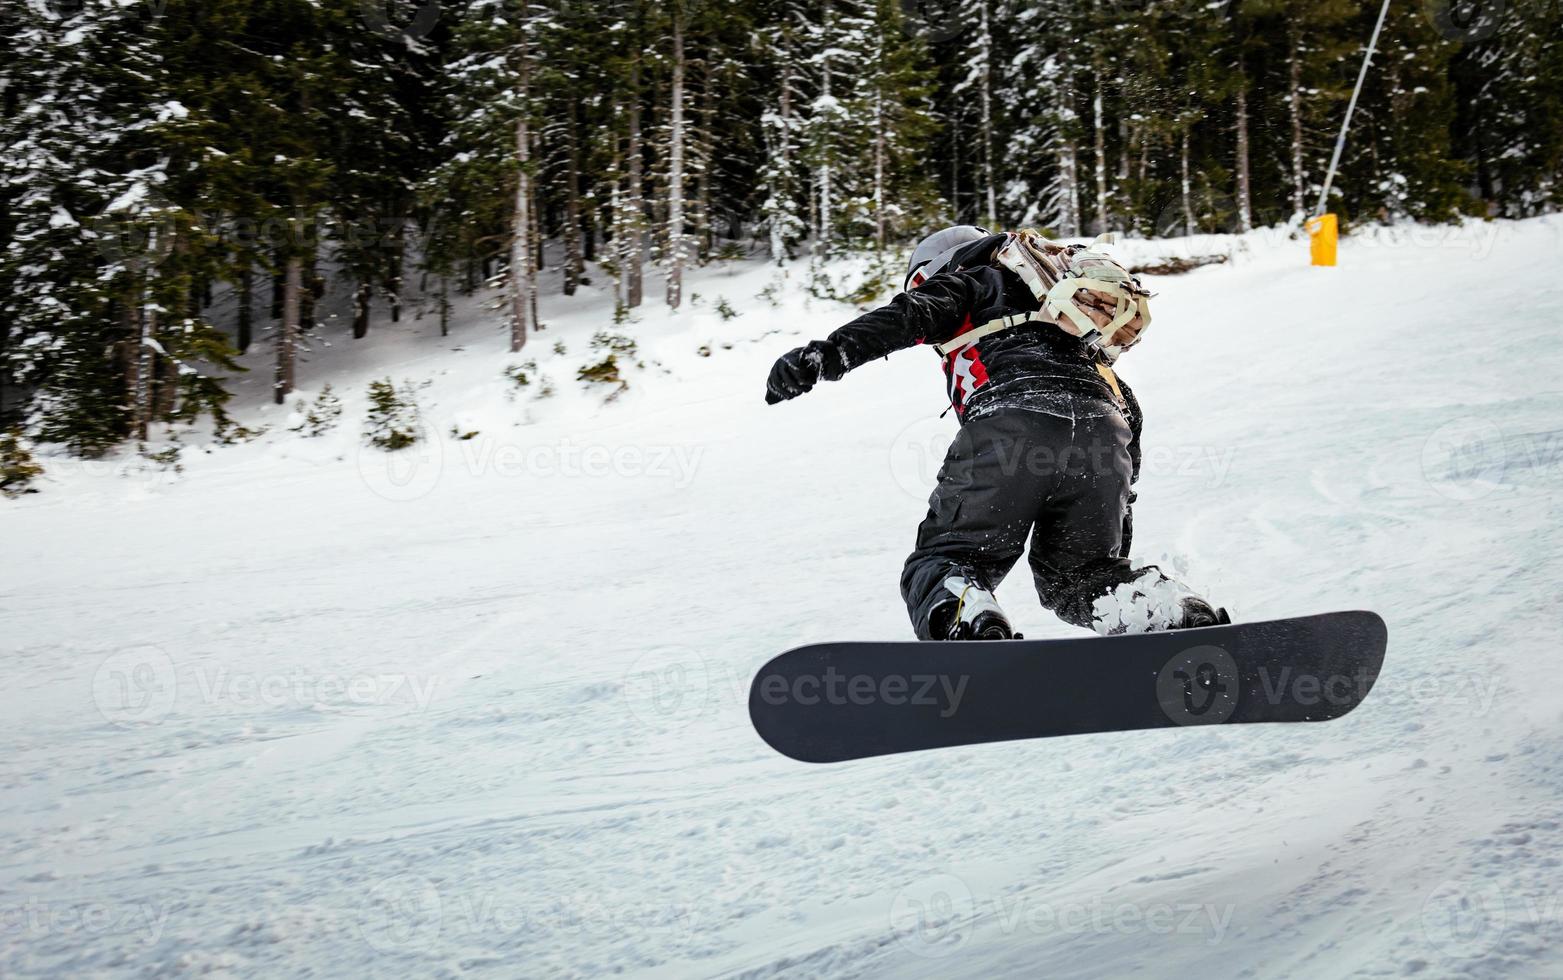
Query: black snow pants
{"points": [[1063, 481]]}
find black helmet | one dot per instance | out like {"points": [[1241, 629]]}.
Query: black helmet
{"points": [[933, 253]]}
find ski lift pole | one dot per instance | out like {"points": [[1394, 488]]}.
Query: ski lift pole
{"points": [[1322, 227]]}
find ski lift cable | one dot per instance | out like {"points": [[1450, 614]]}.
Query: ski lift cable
{"points": [[1340, 141]]}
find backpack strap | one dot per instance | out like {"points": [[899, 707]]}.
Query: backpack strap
{"points": [[1129, 305], [988, 329]]}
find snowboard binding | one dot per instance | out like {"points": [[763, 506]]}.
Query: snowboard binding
{"points": [[973, 614], [1197, 613]]}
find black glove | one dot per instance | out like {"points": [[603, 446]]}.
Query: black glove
{"points": [[797, 371]]}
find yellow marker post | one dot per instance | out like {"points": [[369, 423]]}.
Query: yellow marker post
{"points": [[1321, 239], [1322, 229]]}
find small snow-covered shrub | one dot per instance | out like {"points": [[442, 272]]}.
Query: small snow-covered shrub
{"points": [[605, 371], [559, 348], [17, 466], [521, 375], [394, 421], [724, 309], [164, 459], [615, 343], [320, 416]]}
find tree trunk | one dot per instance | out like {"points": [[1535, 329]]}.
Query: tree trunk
{"points": [[634, 243], [879, 172], [139, 309], [246, 300], [361, 300], [1245, 208], [675, 293], [783, 163], [826, 219], [1294, 102], [287, 331], [1187, 186], [314, 288], [616, 222], [985, 40], [393, 276], [955, 162], [522, 270], [705, 222], [1069, 189], [1103, 219], [573, 264]]}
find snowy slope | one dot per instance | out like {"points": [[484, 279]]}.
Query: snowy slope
{"points": [[479, 708]]}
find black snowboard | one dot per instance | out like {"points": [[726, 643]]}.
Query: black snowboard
{"points": [[835, 701]]}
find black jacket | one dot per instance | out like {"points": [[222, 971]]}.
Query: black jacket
{"points": [[1033, 366]]}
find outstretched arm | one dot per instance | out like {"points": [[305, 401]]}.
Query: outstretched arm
{"points": [[931, 313]]}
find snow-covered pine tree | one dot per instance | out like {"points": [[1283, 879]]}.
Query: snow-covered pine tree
{"points": [[104, 246], [1508, 77], [781, 49]]}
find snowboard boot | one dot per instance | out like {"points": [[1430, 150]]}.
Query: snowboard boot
{"points": [[1197, 612], [973, 614]]}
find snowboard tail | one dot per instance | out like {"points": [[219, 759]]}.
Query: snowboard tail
{"points": [[831, 702]]}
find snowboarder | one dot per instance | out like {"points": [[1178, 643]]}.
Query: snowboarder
{"points": [[1049, 439]]}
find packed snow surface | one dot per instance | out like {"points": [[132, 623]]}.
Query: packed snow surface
{"points": [[478, 707]]}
